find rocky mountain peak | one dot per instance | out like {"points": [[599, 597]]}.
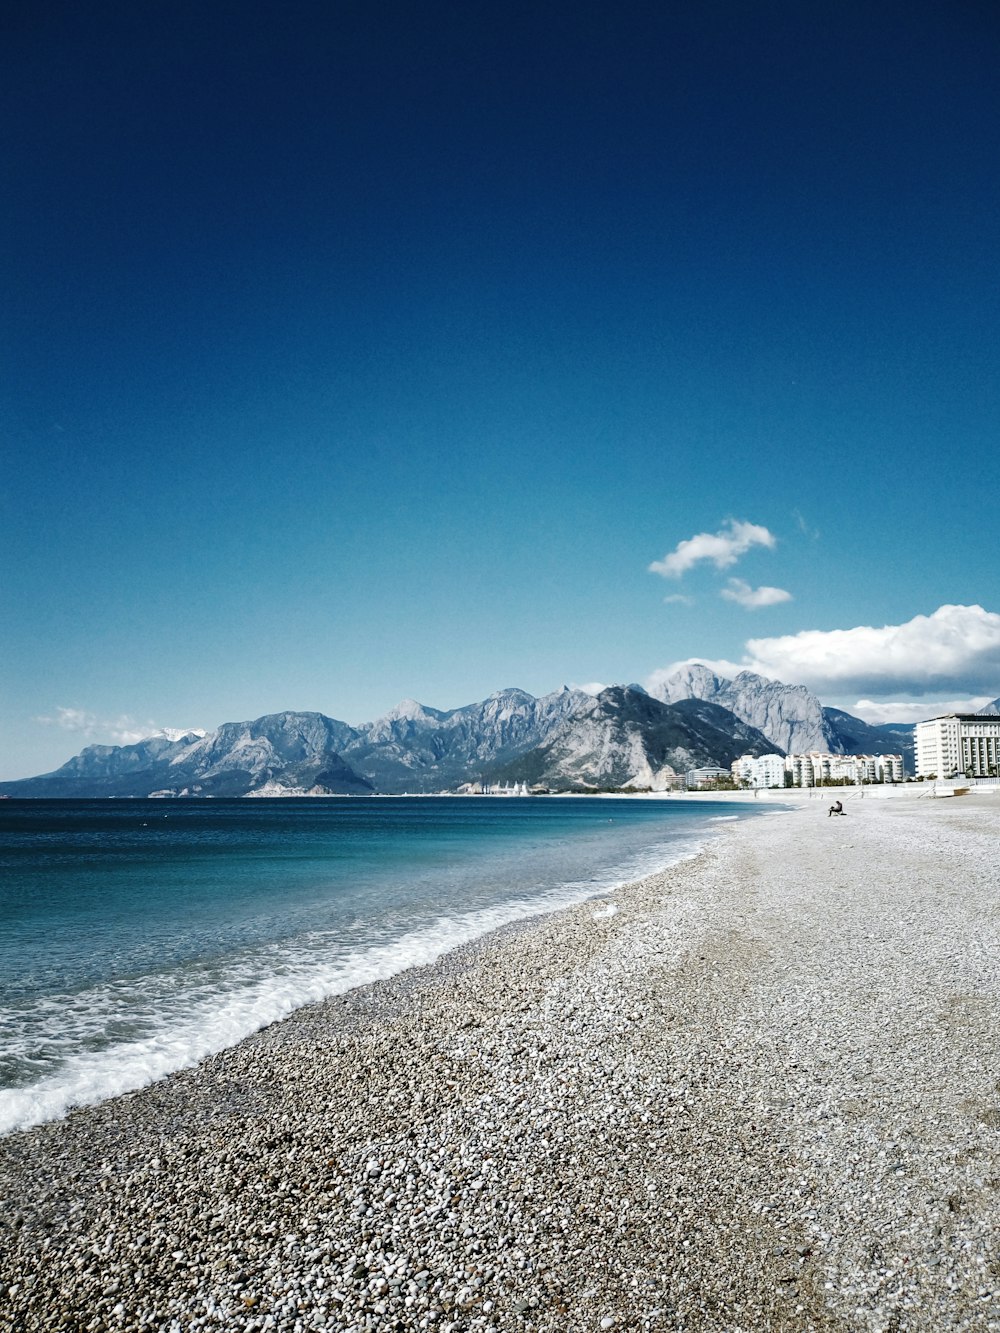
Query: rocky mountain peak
{"points": [[407, 720], [790, 716], [624, 736], [409, 710], [690, 680]]}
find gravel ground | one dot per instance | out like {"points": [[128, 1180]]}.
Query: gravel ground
{"points": [[762, 1094]]}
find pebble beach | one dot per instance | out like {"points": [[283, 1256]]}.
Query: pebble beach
{"points": [[760, 1090]]}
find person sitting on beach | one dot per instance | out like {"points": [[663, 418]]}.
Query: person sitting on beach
{"points": [[835, 809]]}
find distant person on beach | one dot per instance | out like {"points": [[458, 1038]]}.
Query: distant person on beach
{"points": [[835, 809]]}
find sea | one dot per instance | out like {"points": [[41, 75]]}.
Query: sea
{"points": [[138, 937]]}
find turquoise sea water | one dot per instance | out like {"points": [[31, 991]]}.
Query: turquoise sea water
{"points": [[140, 936]]}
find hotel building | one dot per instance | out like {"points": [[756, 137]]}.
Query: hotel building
{"points": [[766, 770], [697, 778], [811, 770], [958, 743]]}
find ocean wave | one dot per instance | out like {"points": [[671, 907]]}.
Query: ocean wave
{"points": [[66, 1049], [125, 1034]]}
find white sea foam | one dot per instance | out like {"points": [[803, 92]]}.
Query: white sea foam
{"points": [[186, 1016]]}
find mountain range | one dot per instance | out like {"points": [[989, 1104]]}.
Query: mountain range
{"points": [[624, 736], [791, 716]]}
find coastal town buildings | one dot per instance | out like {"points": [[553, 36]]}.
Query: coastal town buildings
{"points": [[958, 743], [815, 768], [697, 778], [883, 767], [766, 770]]}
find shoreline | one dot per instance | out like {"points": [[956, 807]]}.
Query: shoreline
{"points": [[760, 1095], [422, 946]]}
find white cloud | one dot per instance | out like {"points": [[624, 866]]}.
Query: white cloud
{"points": [[954, 648], [905, 711], [70, 719], [678, 599], [753, 598], [592, 687], [722, 549], [121, 730]]}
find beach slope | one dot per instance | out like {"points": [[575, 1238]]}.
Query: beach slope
{"points": [[761, 1094]]}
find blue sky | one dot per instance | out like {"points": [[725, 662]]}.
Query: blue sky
{"points": [[353, 352]]}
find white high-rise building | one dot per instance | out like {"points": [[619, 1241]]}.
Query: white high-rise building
{"points": [[810, 770], [958, 743], [766, 770], [883, 767]]}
